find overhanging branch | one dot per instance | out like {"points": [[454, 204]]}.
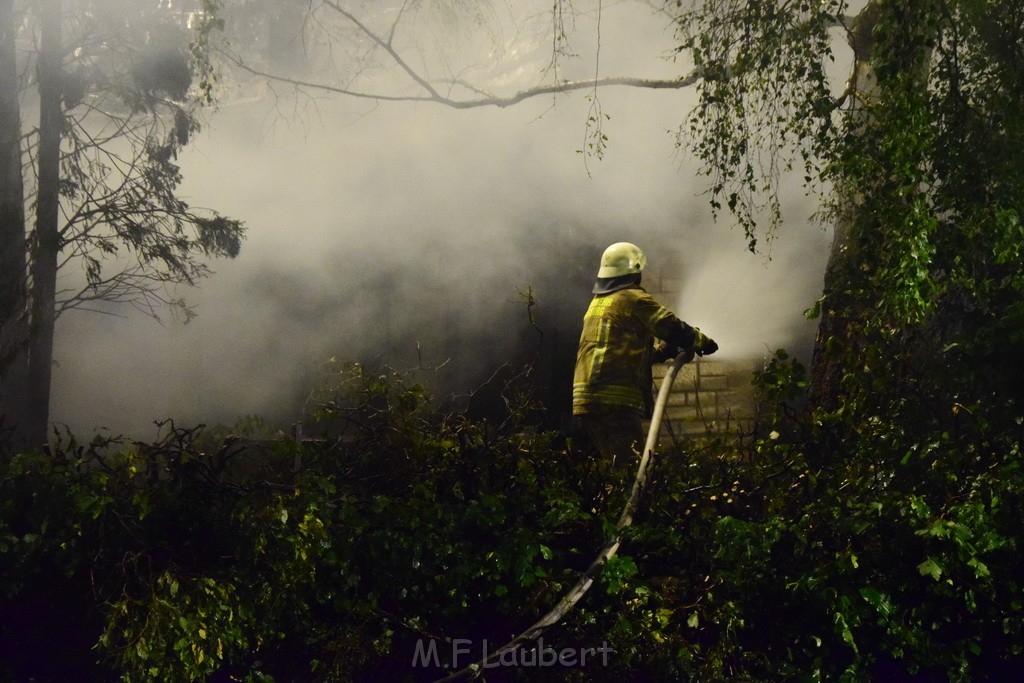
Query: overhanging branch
{"points": [[485, 99]]}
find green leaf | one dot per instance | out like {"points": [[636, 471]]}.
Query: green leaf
{"points": [[845, 632], [980, 568], [877, 600], [930, 568]]}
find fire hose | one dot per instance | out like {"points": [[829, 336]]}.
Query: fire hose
{"points": [[610, 547]]}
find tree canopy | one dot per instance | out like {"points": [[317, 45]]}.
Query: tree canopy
{"points": [[111, 83]]}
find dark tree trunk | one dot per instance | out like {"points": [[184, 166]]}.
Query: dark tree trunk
{"points": [[12, 237], [46, 245]]}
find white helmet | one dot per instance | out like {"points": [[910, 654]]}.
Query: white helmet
{"points": [[622, 258]]}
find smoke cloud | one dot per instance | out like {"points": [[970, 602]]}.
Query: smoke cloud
{"points": [[411, 233]]}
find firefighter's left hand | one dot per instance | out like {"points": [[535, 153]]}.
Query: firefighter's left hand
{"points": [[663, 351]]}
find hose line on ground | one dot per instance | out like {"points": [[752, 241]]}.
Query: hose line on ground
{"points": [[610, 547]]}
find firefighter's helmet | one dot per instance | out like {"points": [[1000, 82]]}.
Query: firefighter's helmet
{"points": [[622, 258]]}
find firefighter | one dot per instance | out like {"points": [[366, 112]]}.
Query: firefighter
{"points": [[611, 391]]}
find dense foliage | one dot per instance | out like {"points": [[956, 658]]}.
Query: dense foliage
{"points": [[914, 146], [913, 438], [202, 556]]}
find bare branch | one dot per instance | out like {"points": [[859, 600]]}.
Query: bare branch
{"points": [[439, 91], [487, 99], [386, 45]]}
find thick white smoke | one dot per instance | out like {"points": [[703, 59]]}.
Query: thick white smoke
{"points": [[412, 229]]}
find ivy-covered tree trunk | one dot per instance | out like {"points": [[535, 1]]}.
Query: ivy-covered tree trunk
{"points": [[877, 280], [12, 232], [47, 234], [837, 312]]}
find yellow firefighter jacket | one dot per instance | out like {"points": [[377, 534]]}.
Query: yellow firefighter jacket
{"points": [[613, 363]]}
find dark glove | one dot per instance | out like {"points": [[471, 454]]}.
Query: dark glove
{"points": [[663, 351], [703, 345]]}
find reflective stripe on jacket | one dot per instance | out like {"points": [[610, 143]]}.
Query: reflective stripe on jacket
{"points": [[613, 364]]}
